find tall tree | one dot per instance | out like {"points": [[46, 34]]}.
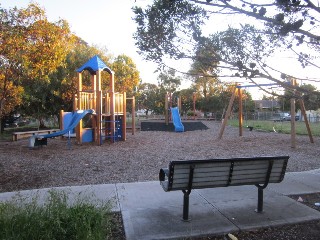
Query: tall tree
{"points": [[31, 49], [168, 80], [186, 96], [10, 97], [311, 101], [126, 74], [150, 98]]}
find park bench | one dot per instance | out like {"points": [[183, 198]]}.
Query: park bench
{"points": [[212, 173], [20, 135]]}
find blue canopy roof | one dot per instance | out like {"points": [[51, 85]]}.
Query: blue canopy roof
{"points": [[93, 65]]}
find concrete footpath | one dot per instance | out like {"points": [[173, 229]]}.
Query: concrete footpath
{"points": [[150, 213]]}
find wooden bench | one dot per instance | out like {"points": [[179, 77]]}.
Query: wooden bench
{"points": [[212, 173], [20, 135]]}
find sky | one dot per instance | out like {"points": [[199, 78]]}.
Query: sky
{"points": [[105, 23], [108, 23]]}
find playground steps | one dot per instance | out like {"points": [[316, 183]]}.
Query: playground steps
{"points": [[21, 135]]}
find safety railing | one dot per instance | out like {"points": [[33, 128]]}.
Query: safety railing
{"points": [[88, 100]]}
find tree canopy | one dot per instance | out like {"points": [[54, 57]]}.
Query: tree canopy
{"points": [[38, 62], [31, 48], [174, 29], [126, 74]]}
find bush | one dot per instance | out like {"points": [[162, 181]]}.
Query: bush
{"points": [[55, 219]]}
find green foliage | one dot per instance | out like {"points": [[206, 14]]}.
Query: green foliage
{"points": [[126, 74], [31, 49], [151, 98], [311, 101], [56, 219], [186, 96], [39, 60], [168, 81], [162, 26], [173, 29], [310, 98]]}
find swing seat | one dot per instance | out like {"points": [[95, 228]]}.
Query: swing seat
{"points": [[250, 128]]}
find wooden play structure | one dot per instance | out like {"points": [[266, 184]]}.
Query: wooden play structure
{"points": [[108, 121], [168, 104], [238, 91]]}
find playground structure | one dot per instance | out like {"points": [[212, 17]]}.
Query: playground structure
{"points": [[105, 109], [238, 90], [175, 113]]}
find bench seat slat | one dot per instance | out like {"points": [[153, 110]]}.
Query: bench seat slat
{"points": [[249, 180], [224, 175], [207, 184], [212, 167], [203, 165], [202, 170], [214, 176]]}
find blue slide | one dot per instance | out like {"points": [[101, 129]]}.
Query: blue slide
{"points": [[76, 118], [178, 126]]}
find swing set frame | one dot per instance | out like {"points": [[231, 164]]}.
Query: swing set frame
{"points": [[239, 89]]}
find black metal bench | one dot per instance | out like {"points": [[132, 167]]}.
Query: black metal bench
{"points": [[212, 173]]}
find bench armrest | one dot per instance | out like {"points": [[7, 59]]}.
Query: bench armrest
{"points": [[163, 173]]}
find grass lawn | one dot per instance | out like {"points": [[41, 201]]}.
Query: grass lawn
{"points": [[280, 127]]}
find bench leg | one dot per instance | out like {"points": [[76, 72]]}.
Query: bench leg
{"points": [[260, 200], [185, 207], [186, 194]]}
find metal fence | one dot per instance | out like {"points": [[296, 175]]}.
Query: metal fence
{"points": [[266, 116]]}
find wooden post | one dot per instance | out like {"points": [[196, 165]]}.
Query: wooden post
{"points": [[98, 123], [98, 109], [94, 87], [179, 103], [166, 110], [112, 107], [79, 107], [75, 103], [240, 111], [61, 119], [293, 114], [79, 103], [133, 115], [124, 118], [225, 120], [194, 105], [303, 111], [170, 105]]}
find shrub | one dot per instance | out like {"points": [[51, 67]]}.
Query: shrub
{"points": [[55, 219]]}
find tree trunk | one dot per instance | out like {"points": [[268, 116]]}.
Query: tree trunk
{"points": [[41, 123], [2, 124]]}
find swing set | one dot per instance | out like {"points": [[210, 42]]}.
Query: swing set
{"points": [[239, 89]]}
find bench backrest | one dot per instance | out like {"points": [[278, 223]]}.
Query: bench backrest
{"points": [[224, 172]]}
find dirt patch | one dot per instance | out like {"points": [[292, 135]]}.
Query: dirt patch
{"points": [[140, 157], [311, 200]]}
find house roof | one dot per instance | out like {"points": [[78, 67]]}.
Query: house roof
{"points": [[94, 64]]}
